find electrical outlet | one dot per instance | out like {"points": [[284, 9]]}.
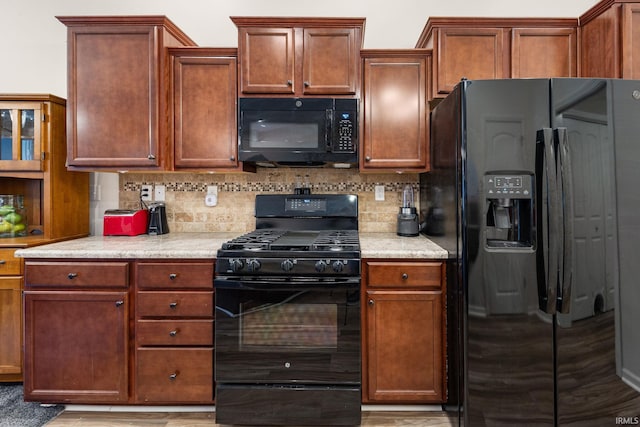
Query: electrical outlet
{"points": [[146, 193], [379, 193], [158, 193], [212, 189]]}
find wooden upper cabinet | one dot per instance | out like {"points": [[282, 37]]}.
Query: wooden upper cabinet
{"points": [[499, 48], [299, 56], [610, 40], [544, 52], [118, 91], [205, 131], [395, 110]]}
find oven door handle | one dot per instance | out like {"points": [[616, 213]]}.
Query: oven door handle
{"points": [[288, 284]]}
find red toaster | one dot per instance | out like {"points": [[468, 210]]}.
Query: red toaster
{"points": [[125, 222]]}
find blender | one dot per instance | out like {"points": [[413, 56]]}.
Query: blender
{"points": [[408, 221]]}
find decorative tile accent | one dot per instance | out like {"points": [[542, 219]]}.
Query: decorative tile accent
{"points": [[187, 212]]}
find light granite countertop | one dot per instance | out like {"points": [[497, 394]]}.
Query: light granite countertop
{"points": [[205, 245]]}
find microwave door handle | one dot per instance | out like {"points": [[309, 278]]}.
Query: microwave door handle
{"points": [[566, 199], [547, 224], [327, 130]]}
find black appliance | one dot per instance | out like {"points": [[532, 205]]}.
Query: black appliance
{"points": [[287, 336], [298, 131], [536, 183], [158, 219]]}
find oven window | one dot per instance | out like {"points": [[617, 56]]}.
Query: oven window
{"points": [[301, 326]]}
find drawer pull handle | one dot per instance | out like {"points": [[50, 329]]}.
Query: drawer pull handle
{"points": [[173, 376], [405, 276], [371, 302], [72, 276], [173, 305], [119, 303], [173, 333], [2, 262], [172, 276]]}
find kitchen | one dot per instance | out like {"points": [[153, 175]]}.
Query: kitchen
{"points": [[188, 190]]}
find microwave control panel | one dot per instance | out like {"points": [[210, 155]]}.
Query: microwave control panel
{"points": [[344, 140]]}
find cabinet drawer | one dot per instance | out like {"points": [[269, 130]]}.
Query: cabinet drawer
{"points": [[168, 375], [404, 274], [176, 275], [9, 265], [174, 332], [77, 274], [175, 304]]}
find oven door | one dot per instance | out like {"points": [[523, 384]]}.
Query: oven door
{"points": [[287, 331]]}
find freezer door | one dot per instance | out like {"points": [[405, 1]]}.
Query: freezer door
{"points": [[509, 351], [597, 343]]}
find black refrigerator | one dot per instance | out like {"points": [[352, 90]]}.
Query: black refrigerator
{"points": [[535, 192]]}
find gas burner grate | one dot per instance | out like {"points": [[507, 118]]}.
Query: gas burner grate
{"points": [[337, 240], [255, 240]]}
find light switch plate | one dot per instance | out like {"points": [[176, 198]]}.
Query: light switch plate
{"points": [[379, 193], [159, 193]]}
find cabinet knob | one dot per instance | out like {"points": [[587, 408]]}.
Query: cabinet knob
{"points": [[173, 376], [172, 276], [151, 157], [289, 83], [405, 276], [307, 84], [173, 333], [2, 262], [71, 276], [119, 303], [232, 158], [173, 305], [367, 159], [371, 302]]}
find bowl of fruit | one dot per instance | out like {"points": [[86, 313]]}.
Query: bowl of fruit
{"points": [[13, 218]]}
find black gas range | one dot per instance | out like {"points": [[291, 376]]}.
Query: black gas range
{"points": [[288, 315]]}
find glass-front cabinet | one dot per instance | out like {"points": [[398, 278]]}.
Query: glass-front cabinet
{"points": [[20, 133]]}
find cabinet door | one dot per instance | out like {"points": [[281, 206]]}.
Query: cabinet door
{"points": [[631, 41], [267, 60], [11, 328], [543, 52], [472, 53], [404, 346], [205, 133], [600, 46], [113, 97], [395, 113], [330, 64], [76, 347], [20, 136]]}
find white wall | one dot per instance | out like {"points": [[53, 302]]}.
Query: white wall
{"points": [[33, 53]]}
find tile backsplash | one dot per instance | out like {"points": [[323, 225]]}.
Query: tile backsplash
{"points": [[187, 212]]}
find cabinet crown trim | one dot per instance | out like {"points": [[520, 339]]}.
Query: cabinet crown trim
{"points": [[150, 20]]}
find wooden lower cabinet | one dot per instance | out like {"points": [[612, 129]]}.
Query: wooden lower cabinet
{"points": [[76, 346], [174, 332], [76, 321], [10, 316], [403, 332]]}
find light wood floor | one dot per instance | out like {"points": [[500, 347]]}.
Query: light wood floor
{"points": [[198, 419]]}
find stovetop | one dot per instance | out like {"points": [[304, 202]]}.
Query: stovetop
{"points": [[291, 240]]}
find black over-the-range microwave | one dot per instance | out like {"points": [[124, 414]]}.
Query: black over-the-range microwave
{"points": [[298, 131]]}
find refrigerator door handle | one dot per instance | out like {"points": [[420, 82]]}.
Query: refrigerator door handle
{"points": [[547, 220], [565, 261]]}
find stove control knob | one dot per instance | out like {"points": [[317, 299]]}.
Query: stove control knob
{"points": [[287, 265], [321, 266], [236, 265], [338, 266], [253, 265]]}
